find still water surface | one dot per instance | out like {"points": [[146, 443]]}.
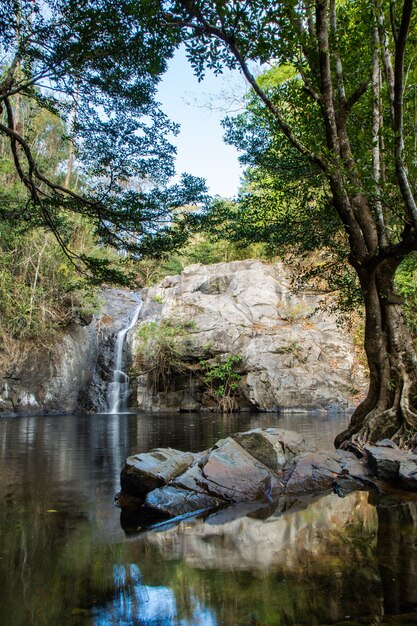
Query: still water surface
{"points": [[65, 558]]}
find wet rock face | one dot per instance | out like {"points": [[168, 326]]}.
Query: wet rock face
{"points": [[172, 483], [72, 375], [49, 380], [293, 354]]}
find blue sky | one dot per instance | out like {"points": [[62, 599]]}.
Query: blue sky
{"points": [[200, 147]]}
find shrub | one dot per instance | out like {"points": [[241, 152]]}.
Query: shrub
{"points": [[222, 381], [160, 350], [40, 290]]}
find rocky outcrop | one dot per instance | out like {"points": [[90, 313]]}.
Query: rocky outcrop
{"points": [[261, 465], [293, 354], [72, 374], [258, 466]]}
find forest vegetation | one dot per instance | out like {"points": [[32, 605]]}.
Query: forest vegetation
{"points": [[328, 135]]}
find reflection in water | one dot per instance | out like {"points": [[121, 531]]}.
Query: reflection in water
{"points": [[297, 562], [397, 555], [138, 603], [64, 558]]}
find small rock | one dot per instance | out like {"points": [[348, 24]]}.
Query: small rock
{"points": [[387, 443], [192, 479], [314, 472], [384, 463], [144, 472], [407, 474], [353, 466], [172, 502], [127, 502]]}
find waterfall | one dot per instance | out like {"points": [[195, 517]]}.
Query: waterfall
{"points": [[118, 389]]}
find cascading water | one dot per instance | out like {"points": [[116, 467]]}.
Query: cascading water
{"points": [[118, 389]]}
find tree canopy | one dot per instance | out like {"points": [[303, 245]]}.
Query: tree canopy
{"points": [[95, 66]]}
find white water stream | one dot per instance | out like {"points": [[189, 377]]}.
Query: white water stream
{"points": [[118, 392]]}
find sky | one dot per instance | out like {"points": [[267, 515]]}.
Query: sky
{"points": [[201, 150]]}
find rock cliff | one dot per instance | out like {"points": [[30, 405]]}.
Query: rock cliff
{"points": [[292, 353], [71, 375]]}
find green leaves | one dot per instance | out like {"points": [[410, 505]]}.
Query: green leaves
{"points": [[91, 69], [222, 380]]}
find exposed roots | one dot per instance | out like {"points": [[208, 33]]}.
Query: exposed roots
{"points": [[397, 422]]}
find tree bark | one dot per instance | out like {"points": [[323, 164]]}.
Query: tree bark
{"points": [[388, 409]]}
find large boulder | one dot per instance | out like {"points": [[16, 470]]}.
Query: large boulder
{"points": [[236, 476], [257, 469], [293, 353], [273, 447], [172, 483]]}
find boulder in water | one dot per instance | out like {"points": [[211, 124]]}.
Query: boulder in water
{"points": [[144, 472], [258, 466]]}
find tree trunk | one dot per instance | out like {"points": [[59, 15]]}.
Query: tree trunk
{"points": [[388, 409]]}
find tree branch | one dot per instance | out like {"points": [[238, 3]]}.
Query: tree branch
{"points": [[204, 27], [356, 95], [376, 129], [398, 106], [326, 83]]}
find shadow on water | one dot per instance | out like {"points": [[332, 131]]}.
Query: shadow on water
{"points": [[64, 559]]}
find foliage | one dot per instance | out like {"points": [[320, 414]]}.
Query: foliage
{"points": [[160, 350], [332, 160], [222, 380], [93, 68], [292, 347], [406, 283], [203, 247], [40, 291]]}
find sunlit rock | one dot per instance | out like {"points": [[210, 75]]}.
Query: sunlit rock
{"points": [[293, 353], [273, 447]]}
